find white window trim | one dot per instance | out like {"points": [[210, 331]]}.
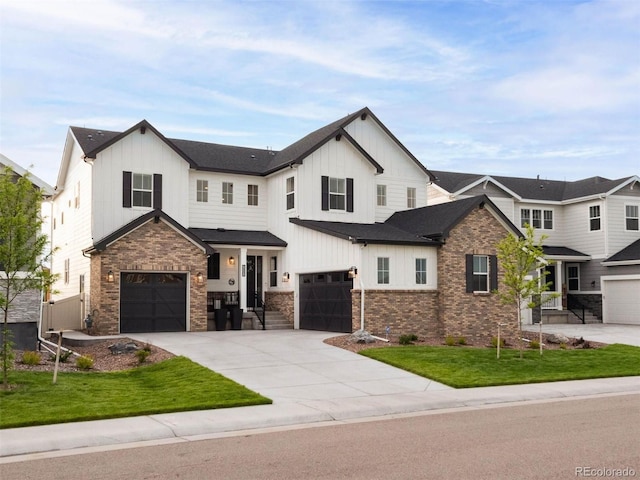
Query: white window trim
{"points": [[542, 211], [573, 265], [228, 193], [589, 217], [474, 273], [425, 271], [202, 191], [412, 197], [288, 193], [381, 195], [252, 195], [637, 205], [387, 270], [134, 189], [334, 194]]}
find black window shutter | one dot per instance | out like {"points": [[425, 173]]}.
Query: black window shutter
{"points": [[493, 273], [126, 189], [469, 272], [213, 266], [157, 190], [325, 193], [349, 194]]}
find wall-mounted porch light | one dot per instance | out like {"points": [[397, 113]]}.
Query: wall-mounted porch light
{"points": [[232, 261], [110, 276], [353, 271], [285, 277], [199, 278]]}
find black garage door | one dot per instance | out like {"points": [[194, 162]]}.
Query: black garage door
{"points": [[325, 302], [153, 302]]}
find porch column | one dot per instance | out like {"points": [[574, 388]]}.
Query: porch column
{"points": [[559, 283], [243, 279]]}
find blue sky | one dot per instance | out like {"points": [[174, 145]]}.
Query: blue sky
{"points": [[519, 88]]}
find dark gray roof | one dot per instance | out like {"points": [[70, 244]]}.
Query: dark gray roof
{"points": [[102, 244], [420, 226], [531, 188], [629, 253], [238, 237], [365, 232], [242, 160], [562, 252], [436, 221]]}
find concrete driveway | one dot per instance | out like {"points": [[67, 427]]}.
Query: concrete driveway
{"points": [[596, 332], [290, 365]]}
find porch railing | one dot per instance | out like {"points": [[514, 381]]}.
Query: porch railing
{"points": [[576, 306], [260, 310], [549, 302]]}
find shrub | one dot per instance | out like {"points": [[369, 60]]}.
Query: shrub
{"points": [[64, 356], [142, 355], [31, 358], [563, 346], [85, 362], [449, 341], [462, 341], [407, 339], [147, 347], [494, 342], [534, 344]]}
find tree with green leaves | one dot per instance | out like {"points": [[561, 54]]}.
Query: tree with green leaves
{"points": [[521, 257], [22, 249]]}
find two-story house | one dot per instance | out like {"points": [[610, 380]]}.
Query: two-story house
{"points": [[333, 232], [592, 236], [25, 310]]}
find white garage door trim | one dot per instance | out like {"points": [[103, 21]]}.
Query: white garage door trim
{"points": [[612, 310]]}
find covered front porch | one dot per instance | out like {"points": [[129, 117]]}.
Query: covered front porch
{"points": [[560, 303], [244, 266]]}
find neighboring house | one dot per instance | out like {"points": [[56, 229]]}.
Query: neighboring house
{"points": [[156, 233], [593, 235], [24, 313]]}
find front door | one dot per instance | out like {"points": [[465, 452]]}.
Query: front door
{"points": [[254, 279]]}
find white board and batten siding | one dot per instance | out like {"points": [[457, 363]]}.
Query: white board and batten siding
{"points": [[238, 215], [72, 233], [137, 153], [621, 299], [400, 171], [402, 267]]}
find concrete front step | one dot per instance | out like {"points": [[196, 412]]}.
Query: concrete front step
{"points": [[275, 321]]}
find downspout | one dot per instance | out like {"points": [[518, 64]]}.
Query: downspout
{"points": [[362, 292]]}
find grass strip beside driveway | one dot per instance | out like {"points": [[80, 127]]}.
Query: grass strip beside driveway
{"points": [[175, 385], [464, 367]]}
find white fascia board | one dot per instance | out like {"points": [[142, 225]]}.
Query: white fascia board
{"points": [[440, 189], [486, 179], [568, 258], [630, 180], [540, 202], [620, 263]]}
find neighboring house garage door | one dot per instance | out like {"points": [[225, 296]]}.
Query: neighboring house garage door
{"points": [[621, 302], [153, 302], [325, 302]]}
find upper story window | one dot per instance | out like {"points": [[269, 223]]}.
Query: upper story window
{"points": [[631, 217], [67, 267], [76, 195], [202, 191], [421, 271], [383, 270], [594, 218], [382, 195], [227, 192], [537, 218], [411, 197], [142, 190], [291, 193], [252, 195], [337, 194]]}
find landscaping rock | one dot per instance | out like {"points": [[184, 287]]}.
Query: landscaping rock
{"points": [[362, 336], [557, 338], [120, 348]]}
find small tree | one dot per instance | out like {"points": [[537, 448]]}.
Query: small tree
{"points": [[519, 257], [22, 249]]}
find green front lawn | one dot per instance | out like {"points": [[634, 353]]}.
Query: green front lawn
{"points": [[175, 385], [463, 367]]}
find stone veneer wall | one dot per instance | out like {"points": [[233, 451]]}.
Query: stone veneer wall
{"points": [[403, 311], [467, 314], [280, 302], [25, 307], [153, 247]]}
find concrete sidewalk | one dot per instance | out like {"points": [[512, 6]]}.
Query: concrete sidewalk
{"points": [[309, 381]]}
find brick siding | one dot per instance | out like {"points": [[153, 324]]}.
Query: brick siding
{"points": [[153, 247]]}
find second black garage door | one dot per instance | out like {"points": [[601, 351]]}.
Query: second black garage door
{"points": [[325, 302], [153, 302]]}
